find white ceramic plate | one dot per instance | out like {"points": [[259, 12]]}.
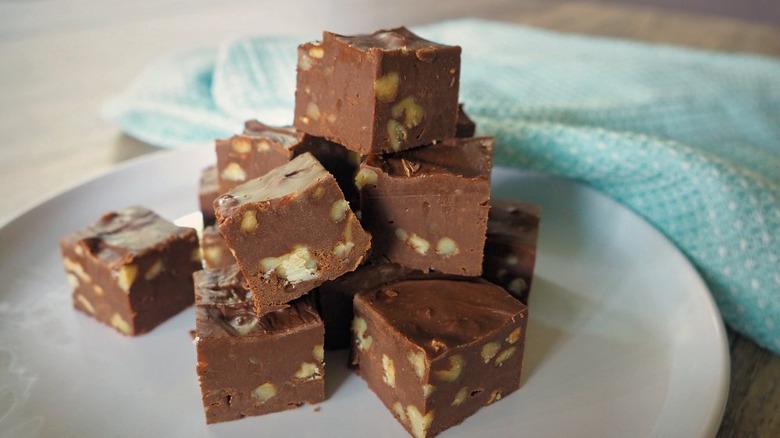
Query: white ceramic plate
{"points": [[623, 338]]}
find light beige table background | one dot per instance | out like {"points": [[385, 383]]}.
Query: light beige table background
{"points": [[60, 60]]}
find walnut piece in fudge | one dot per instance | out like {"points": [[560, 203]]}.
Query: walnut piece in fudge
{"points": [[383, 92], [208, 191], [436, 351], [132, 269], [290, 230], [510, 246], [250, 365], [427, 208]]}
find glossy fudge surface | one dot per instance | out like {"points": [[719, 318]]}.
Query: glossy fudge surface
{"points": [[510, 247], [436, 351], [132, 269], [250, 365], [427, 208], [375, 93], [290, 230]]}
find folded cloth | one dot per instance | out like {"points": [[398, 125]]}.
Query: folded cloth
{"points": [[688, 139]]}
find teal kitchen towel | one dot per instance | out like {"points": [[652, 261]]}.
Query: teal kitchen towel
{"points": [[688, 139]]}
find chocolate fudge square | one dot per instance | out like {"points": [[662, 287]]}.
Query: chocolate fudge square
{"points": [[436, 351], [250, 365], [261, 148], [290, 230], [132, 269], [215, 252], [427, 208], [510, 246], [208, 190], [381, 92]]}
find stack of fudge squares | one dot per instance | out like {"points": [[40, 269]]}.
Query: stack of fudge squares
{"points": [[367, 225]]}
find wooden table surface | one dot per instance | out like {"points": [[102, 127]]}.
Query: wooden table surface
{"points": [[61, 60]]}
